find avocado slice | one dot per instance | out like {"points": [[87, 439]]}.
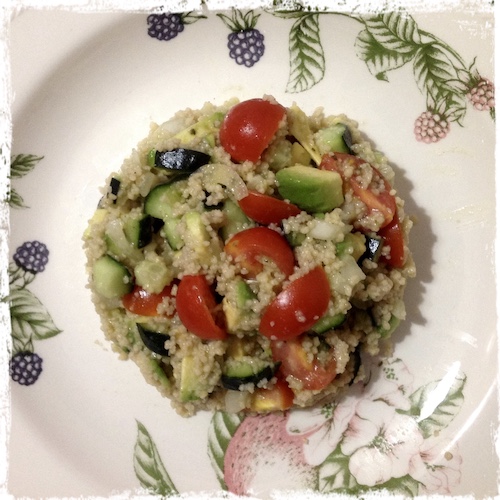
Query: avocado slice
{"points": [[237, 310], [198, 237], [190, 384], [300, 129], [203, 128], [311, 189]]}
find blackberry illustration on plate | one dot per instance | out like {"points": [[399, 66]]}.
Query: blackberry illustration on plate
{"points": [[30, 320], [25, 367], [245, 42], [164, 27], [32, 256]]}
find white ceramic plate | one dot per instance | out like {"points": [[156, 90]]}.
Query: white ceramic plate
{"points": [[86, 87]]}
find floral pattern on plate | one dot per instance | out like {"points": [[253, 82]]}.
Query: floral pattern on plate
{"points": [[388, 423]]}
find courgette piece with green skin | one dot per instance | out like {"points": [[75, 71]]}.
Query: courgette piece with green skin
{"points": [[160, 203], [328, 322], [111, 278], [139, 230], [236, 220], [336, 138], [241, 372], [161, 200], [154, 341], [178, 160]]}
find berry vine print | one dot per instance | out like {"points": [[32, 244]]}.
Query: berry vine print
{"points": [[387, 42], [30, 320], [165, 27], [245, 42], [20, 166]]}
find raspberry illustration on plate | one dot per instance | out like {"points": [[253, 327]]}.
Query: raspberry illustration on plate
{"points": [[29, 318], [245, 42], [431, 127], [166, 26], [482, 94]]}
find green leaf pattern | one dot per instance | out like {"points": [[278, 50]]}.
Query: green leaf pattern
{"points": [[445, 411], [21, 165], [387, 42], [221, 430], [29, 317], [148, 466], [307, 60]]}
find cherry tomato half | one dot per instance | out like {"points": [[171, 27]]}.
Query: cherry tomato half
{"points": [[246, 246], [144, 303], [279, 397], [375, 198], [195, 304], [297, 307], [248, 128], [295, 362], [393, 236], [266, 209]]}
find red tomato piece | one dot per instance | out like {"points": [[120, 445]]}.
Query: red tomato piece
{"points": [[248, 128], [266, 209], [377, 196], [246, 246], [297, 307], [393, 236], [144, 303], [196, 307], [294, 362], [279, 397]]}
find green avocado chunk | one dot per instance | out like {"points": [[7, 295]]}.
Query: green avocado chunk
{"points": [[311, 189]]}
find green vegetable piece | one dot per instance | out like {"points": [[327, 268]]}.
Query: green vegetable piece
{"points": [[332, 139], [236, 220], [111, 279], [311, 189], [153, 276], [190, 386], [300, 129], [201, 129], [159, 372], [139, 230], [161, 200], [387, 332], [353, 244], [328, 323]]}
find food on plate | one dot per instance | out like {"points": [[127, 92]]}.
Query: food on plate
{"points": [[247, 255]]}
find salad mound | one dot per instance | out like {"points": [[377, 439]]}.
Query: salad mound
{"points": [[246, 255]]}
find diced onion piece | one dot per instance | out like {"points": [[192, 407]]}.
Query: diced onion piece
{"points": [[323, 230], [236, 401], [123, 247], [172, 126], [348, 276], [218, 173], [146, 184]]}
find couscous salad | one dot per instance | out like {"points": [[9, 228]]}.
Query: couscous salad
{"points": [[246, 255]]}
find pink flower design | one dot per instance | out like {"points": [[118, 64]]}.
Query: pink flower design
{"points": [[324, 427], [381, 443], [437, 465]]}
